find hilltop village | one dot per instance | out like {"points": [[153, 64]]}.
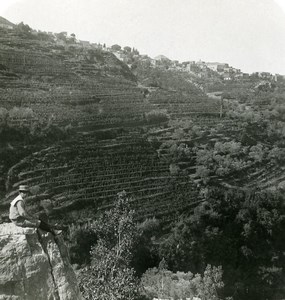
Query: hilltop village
{"points": [[131, 57]]}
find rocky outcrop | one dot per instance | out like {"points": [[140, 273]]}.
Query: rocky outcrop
{"points": [[34, 266]]}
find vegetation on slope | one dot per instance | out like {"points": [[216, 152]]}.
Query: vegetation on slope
{"points": [[111, 275]]}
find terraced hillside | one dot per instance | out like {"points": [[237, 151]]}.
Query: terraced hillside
{"points": [[78, 126], [75, 128]]}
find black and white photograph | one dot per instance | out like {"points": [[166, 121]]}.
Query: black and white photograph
{"points": [[142, 149]]}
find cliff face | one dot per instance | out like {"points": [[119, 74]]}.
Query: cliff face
{"points": [[34, 266]]}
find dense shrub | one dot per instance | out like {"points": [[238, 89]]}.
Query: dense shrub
{"points": [[157, 116], [21, 124], [81, 240], [243, 231], [164, 284]]}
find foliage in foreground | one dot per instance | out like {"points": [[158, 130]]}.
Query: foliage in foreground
{"points": [[241, 230], [110, 275], [162, 283]]}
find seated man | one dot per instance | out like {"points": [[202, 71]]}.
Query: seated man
{"points": [[20, 217]]}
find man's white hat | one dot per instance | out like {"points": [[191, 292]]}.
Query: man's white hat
{"points": [[24, 188]]}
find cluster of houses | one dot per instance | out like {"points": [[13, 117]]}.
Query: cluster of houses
{"points": [[205, 69], [199, 68], [223, 69], [4, 23]]}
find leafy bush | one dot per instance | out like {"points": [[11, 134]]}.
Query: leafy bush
{"points": [[81, 241], [157, 116], [162, 283], [224, 158], [21, 124], [4, 114], [21, 113]]}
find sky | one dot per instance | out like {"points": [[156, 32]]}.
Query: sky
{"points": [[247, 34]]}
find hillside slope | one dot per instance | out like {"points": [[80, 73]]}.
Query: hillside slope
{"points": [[75, 126], [78, 126]]}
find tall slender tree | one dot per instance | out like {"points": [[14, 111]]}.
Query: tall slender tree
{"points": [[110, 275]]}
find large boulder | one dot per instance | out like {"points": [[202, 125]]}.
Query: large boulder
{"points": [[34, 266]]}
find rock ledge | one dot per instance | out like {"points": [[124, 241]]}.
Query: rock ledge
{"points": [[34, 266]]}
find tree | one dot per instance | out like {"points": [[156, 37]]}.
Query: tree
{"points": [[135, 51], [128, 49], [110, 275], [62, 36], [116, 47], [224, 158], [208, 286], [146, 250], [43, 36], [157, 282], [162, 283], [23, 28], [4, 114], [72, 38]]}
